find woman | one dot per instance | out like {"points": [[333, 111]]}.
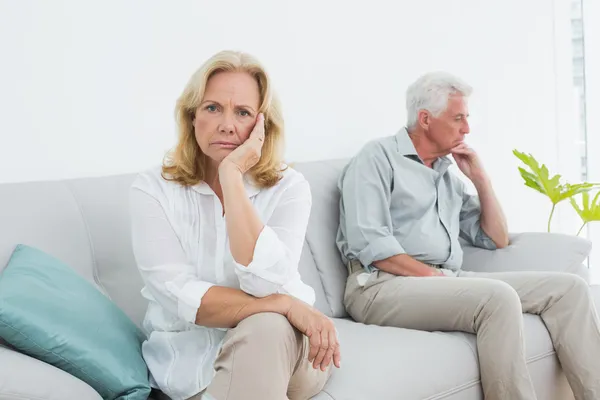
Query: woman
{"points": [[217, 235]]}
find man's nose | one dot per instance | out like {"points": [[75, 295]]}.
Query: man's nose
{"points": [[466, 128]]}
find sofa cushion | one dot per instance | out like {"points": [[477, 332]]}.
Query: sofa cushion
{"points": [[24, 377], [322, 230], [49, 312], [45, 215], [392, 363], [532, 251], [310, 275], [104, 205]]}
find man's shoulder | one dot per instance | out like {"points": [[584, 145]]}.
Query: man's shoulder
{"points": [[379, 148], [376, 153]]}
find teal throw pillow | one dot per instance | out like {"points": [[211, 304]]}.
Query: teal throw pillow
{"points": [[51, 313]]}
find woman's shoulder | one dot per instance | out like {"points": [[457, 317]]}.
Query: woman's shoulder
{"points": [[152, 181]]}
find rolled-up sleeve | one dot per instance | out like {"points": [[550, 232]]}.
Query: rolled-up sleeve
{"points": [[366, 192], [274, 265], [167, 275], [470, 223]]}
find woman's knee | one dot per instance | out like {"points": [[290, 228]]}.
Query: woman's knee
{"points": [[267, 327]]}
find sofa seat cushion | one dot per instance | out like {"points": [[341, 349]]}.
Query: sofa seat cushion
{"points": [[24, 377], [391, 363]]}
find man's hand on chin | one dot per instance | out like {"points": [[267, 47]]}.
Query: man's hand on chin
{"points": [[469, 163]]}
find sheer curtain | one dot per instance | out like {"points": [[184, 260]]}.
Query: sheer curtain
{"points": [[591, 30]]}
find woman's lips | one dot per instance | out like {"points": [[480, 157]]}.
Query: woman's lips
{"points": [[225, 145]]}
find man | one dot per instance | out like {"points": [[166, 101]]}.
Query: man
{"points": [[402, 213]]}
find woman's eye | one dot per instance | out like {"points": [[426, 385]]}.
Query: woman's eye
{"points": [[244, 113], [212, 108]]}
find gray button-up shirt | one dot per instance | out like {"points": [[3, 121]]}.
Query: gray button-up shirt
{"points": [[391, 203]]}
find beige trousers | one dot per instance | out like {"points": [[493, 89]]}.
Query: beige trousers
{"points": [[491, 306], [264, 358]]}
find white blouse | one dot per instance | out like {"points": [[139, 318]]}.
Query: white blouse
{"points": [[181, 247]]}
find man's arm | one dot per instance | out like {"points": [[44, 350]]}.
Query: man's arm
{"points": [[482, 214], [405, 265], [493, 221]]}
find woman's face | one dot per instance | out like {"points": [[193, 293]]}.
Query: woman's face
{"points": [[227, 113]]}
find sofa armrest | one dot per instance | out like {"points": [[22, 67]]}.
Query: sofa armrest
{"points": [[24, 377], [532, 251]]}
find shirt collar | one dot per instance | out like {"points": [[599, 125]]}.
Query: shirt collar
{"points": [[251, 188], [405, 145], [407, 148]]}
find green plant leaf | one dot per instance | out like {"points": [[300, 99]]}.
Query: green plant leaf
{"points": [[531, 180], [568, 190], [589, 210], [538, 177]]}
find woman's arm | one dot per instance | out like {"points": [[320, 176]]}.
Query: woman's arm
{"points": [[224, 307], [243, 224], [174, 283], [160, 258], [267, 255]]}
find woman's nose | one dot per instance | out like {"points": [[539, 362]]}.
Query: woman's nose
{"points": [[227, 125]]}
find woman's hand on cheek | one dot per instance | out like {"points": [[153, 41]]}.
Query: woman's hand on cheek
{"points": [[248, 153]]}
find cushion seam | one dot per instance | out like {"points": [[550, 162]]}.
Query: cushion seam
{"points": [[90, 243]]}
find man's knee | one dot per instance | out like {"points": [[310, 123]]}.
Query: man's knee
{"points": [[503, 296], [569, 282]]}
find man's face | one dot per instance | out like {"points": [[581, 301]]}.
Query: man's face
{"points": [[449, 128]]}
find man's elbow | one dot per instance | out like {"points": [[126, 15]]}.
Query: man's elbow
{"points": [[502, 242]]}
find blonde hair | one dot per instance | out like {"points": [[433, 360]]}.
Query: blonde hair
{"points": [[186, 163]]}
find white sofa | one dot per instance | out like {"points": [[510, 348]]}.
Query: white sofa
{"points": [[85, 223]]}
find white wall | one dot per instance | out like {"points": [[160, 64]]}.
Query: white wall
{"points": [[88, 88]]}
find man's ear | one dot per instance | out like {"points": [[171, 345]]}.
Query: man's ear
{"points": [[424, 119]]}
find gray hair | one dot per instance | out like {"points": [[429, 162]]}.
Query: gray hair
{"points": [[431, 92]]}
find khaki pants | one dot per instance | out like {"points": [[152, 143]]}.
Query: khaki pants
{"points": [[264, 358], [491, 306]]}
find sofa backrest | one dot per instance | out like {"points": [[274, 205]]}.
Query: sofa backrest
{"points": [[325, 259], [82, 222], [85, 223]]}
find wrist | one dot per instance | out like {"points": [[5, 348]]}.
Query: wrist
{"points": [[278, 303], [228, 169], [481, 181]]}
